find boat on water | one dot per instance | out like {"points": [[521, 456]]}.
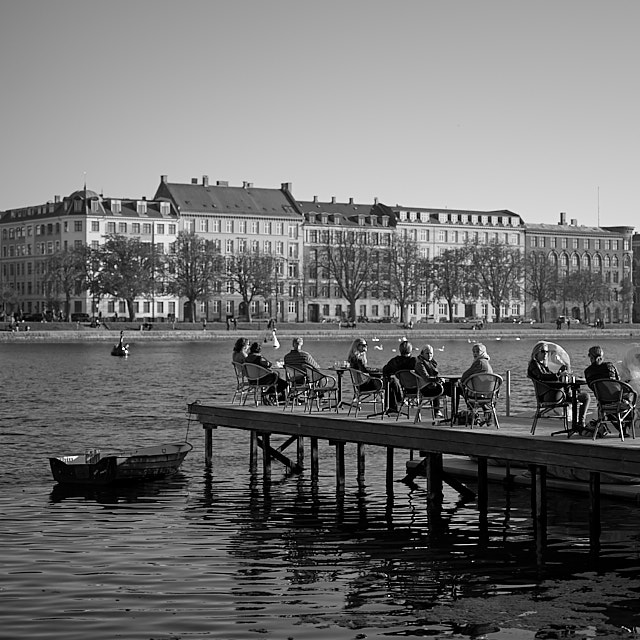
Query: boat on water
{"points": [[121, 349], [96, 468]]}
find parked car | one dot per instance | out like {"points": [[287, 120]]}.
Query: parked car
{"points": [[80, 317], [32, 317]]}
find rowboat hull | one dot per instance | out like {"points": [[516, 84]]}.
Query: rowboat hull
{"points": [[95, 468]]}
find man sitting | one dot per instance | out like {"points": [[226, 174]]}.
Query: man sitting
{"points": [[404, 361], [299, 358]]}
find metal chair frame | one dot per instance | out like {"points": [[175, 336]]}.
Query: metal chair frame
{"points": [[242, 384], [616, 404], [298, 391], [543, 408], [261, 391], [373, 396], [480, 392], [321, 386]]}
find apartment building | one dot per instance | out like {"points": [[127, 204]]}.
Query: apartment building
{"points": [[573, 247], [30, 235], [245, 219]]}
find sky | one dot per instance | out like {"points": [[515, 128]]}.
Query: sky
{"points": [[531, 106]]}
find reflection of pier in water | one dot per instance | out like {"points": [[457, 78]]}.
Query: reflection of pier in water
{"points": [[511, 443]]}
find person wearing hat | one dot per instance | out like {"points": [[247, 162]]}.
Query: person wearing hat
{"points": [[538, 369]]}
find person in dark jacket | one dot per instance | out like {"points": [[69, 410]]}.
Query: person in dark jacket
{"points": [[427, 368], [402, 362], [272, 378]]}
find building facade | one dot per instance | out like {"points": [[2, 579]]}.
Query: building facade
{"points": [[604, 250], [31, 235]]}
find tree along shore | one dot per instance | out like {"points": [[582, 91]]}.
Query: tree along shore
{"points": [[135, 331]]}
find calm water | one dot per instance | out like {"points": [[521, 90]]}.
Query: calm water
{"points": [[213, 553]]}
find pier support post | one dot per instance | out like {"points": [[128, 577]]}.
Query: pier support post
{"points": [[483, 486], [313, 442], [266, 457], [253, 452], [433, 471], [339, 465], [208, 443], [300, 452], [389, 470], [539, 507], [594, 511], [361, 460]]}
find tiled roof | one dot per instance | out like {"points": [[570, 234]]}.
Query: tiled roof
{"points": [[348, 213], [199, 198]]}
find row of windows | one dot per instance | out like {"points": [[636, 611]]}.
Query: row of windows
{"points": [[55, 228], [596, 244], [464, 218], [250, 227]]}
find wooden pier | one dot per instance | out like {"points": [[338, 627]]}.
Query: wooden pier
{"points": [[511, 443]]}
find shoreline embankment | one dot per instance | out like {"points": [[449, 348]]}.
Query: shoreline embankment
{"points": [[45, 333]]}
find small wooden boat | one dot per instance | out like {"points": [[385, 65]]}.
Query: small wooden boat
{"points": [[96, 468]]}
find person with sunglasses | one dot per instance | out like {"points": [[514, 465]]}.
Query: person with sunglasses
{"points": [[538, 369], [357, 359]]}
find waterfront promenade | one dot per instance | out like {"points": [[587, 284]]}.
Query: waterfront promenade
{"points": [[72, 332]]}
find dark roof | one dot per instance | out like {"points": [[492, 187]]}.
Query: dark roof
{"points": [[347, 213], [569, 229], [199, 198]]}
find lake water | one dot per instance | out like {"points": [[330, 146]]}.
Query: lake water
{"points": [[213, 553]]}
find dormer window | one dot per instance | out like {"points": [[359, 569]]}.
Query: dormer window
{"points": [[165, 208], [142, 207], [361, 220], [77, 206], [385, 221], [403, 216], [95, 206], [116, 206]]}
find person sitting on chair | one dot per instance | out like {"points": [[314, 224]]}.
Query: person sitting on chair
{"points": [[272, 378], [480, 364], [427, 368], [538, 369], [599, 369], [299, 358], [402, 362], [240, 350], [357, 359]]}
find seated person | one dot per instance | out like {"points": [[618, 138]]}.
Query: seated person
{"points": [[357, 359], [599, 369], [299, 358], [240, 350], [538, 369], [272, 378], [480, 364], [427, 368], [403, 362]]}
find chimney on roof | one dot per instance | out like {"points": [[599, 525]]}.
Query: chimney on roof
{"points": [[574, 222], [194, 180], [205, 181], [563, 218], [247, 185], [163, 179], [375, 200], [333, 199], [350, 200], [286, 186], [56, 199], [315, 199], [222, 183]]}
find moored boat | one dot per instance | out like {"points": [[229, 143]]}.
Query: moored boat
{"points": [[96, 468]]}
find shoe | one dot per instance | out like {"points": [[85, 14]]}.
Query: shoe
{"points": [[439, 415]]}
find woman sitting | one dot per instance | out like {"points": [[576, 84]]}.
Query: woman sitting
{"points": [[357, 359], [427, 369], [272, 378]]}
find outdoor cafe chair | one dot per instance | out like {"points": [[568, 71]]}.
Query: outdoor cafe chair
{"points": [[262, 383], [548, 408], [298, 389], [374, 395], [322, 388], [616, 404], [242, 384], [436, 392], [480, 392], [409, 384]]}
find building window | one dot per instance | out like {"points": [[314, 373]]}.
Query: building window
{"points": [[160, 229], [229, 226], [111, 227], [135, 227], [122, 227], [228, 246], [146, 229], [95, 226], [77, 225]]}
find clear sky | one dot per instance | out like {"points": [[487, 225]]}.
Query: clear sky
{"points": [[527, 105]]}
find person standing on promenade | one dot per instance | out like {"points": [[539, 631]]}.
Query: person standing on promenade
{"points": [[402, 362], [240, 350]]}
